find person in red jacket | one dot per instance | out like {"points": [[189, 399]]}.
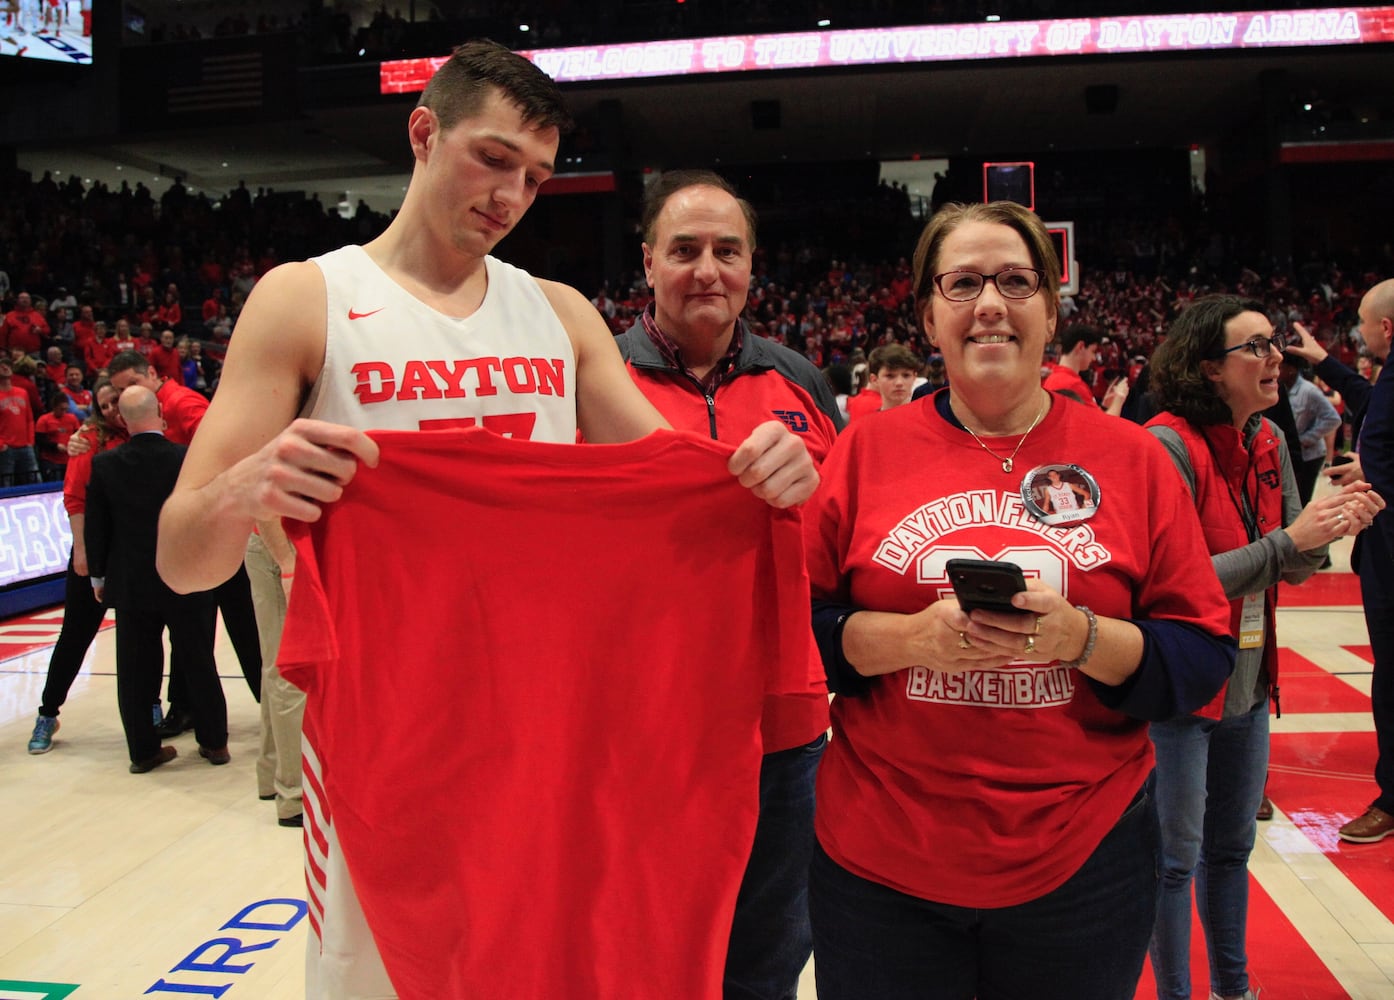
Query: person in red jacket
{"points": [[1213, 377], [123, 338], [169, 313], [699, 363], [1079, 346], [17, 462], [183, 408], [55, 368], [51, 433], [24, 326], [79, 396], [164, 358], [866, 402], [25, 376], [84, 328], [99, 351]]}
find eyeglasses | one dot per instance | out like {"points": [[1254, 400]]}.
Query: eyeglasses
{"points": [[1011, 282], [1261, 346]]}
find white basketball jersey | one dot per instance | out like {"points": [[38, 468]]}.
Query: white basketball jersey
{"points": [[1062, 498], [391, 362]]}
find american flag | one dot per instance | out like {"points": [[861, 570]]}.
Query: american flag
{"points": [[217, 82]]}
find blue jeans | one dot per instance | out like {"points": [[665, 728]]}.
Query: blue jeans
{"points": [[770, 936], [18, 466], [1085, 940], [1210, 776]]}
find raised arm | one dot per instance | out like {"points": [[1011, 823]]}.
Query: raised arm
{"points": [[251, 458]]}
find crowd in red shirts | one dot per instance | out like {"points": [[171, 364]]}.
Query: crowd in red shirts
{"points": [[167, 277]]}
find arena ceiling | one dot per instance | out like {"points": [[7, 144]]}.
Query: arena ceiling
{"points": [[1008, 109]]}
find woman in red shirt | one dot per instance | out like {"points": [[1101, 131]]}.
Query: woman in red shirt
{"points": [[82, 613]]}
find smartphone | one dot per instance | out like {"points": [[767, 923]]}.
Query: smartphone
{"points": [[1341, 460], [982, 585]]}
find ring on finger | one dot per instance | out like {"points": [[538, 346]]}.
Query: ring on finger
{"points": [[1039, 619], [963, 642], [1030, 644]]}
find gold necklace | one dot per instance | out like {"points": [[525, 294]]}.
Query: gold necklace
{"points": [[1007, 462]]}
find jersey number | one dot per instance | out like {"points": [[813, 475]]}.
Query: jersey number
{"points": [[1041, 562], [509, 425]]}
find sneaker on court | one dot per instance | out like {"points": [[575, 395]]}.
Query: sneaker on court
{"points": [[42, 739]]}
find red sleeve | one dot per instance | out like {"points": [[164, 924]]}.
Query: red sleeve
{"points": [[184, 410], [76, 478]]}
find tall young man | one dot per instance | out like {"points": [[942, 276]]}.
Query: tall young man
{"points": [[354, 340]]}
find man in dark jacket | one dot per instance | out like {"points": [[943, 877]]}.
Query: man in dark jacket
{"points": [[129, 486], [1373, 554], [697, 361]]}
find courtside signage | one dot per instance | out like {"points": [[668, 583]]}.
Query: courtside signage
{"points": [[214, 967], [940, 43], [34, 539]]}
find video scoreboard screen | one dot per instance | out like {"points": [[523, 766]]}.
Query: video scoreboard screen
{"points": [[46, 31]]}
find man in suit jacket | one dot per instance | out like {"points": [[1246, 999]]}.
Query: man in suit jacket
{"points": [[184, 409], [1372, 555], [129, 485]]}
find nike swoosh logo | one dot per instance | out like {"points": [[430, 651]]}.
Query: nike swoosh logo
{"points": [[371, 312]]}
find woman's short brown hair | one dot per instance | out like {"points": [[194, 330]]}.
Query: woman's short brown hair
{"points": [[1005, 213]]}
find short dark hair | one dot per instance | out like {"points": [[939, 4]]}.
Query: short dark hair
{"points": [[128, 361], [1079, 333], [1180, 366], [462, 84], [673, 181], [1005, 213], [895, 357]]}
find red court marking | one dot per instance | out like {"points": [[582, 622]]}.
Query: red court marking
{"points": [[1322, 780], [1306, 687], [1365, 652], [1320, 590], [1280, 961], [20, 640], [44, 616]]}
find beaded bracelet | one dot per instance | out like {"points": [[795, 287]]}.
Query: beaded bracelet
{"points": [[1089, 643]]}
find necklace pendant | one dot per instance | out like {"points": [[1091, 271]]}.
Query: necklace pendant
{"points": [[1006, 465]]}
